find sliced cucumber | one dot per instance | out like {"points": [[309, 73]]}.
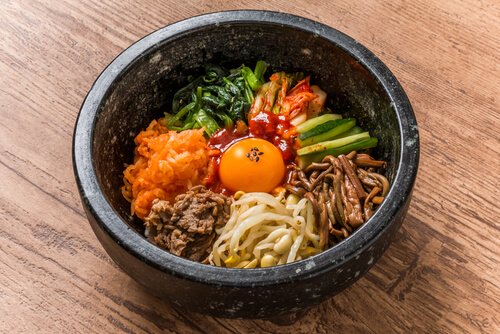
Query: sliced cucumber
{"points": [[314, 122], [341, 126], [323, 127], [325, 145], [352, 131], [306, 160]]}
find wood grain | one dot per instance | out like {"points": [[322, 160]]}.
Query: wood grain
{"points": [[441, 275]]}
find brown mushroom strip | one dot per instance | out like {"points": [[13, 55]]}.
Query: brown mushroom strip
{"points": [[364, 160], [321, 176], [317, 190], [343, 197], [332, 160], [317, 165], [299, 191], [314, 204], [364, 156], [356, 215], [337, 233], [323, 223], [368, 206], [324, 188], [331, 195], [314, 175], [305, 181], [346, 234], [352, 155], [339, 219], [338, 198], [367, 180], [320, 218], [382, 179], [372, 194], [352, 176], [331, 215], [299, 183]]}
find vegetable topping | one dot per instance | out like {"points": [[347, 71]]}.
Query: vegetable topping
{"points": [[244, 173]]}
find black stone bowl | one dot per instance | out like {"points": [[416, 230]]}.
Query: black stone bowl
{"points": [[137, 87]]}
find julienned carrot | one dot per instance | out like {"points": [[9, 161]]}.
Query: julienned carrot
{"points": [[166, 164]]}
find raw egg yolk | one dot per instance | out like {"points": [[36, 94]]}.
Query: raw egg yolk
{"points": [[251, 165]]}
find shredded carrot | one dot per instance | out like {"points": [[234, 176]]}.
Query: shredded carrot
{"points": [[166, 164]]}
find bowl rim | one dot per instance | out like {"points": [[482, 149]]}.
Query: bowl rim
{"points": [[138, 246]]}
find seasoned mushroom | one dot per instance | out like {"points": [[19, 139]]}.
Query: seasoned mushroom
{"points": [[342, 192]]}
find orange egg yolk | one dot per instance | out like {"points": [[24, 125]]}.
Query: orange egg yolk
{"points": [[251, 165]]}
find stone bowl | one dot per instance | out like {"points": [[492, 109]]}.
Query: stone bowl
{"points": [[137, 87]]}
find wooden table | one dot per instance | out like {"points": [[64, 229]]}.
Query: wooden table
{"points": [[440, 275]]}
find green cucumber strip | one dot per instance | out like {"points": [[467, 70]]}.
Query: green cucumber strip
{"points": [[343, 126], [332, 144], [324, 127], [314, 122], [306, 160], [352, 131]]}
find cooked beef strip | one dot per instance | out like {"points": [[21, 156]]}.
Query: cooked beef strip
{"points": [[187, 228]]}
